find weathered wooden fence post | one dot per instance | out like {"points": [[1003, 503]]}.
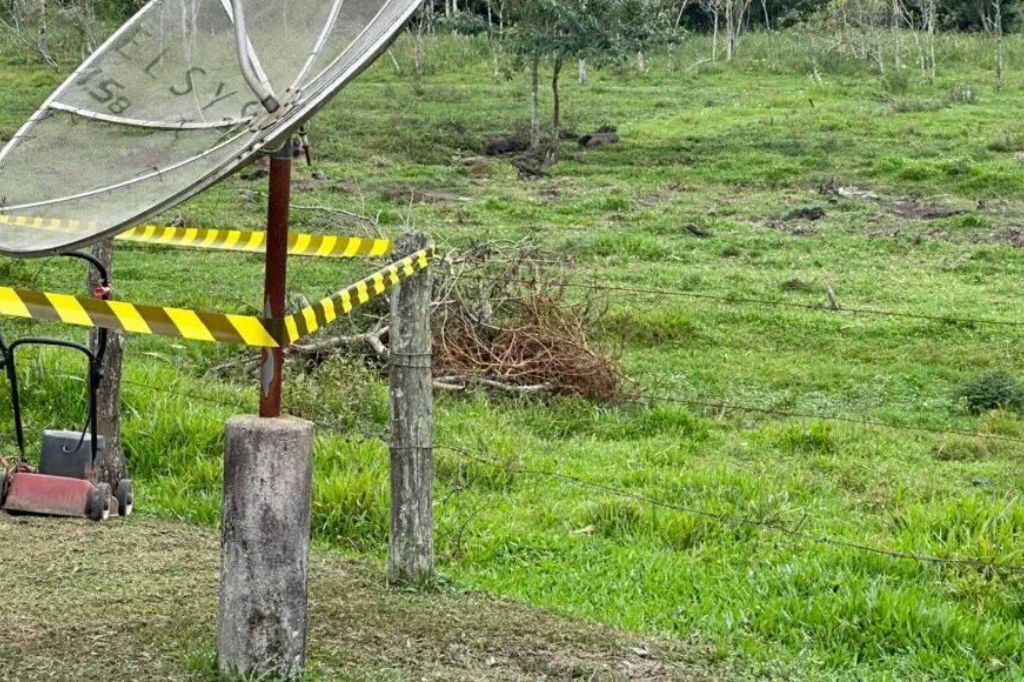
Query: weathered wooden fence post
{"points": [[111, 467], [411, 542]]}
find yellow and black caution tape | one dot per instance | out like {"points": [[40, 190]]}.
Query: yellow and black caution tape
{"points": [[311, 318], [204, 326], [140, 319], [249, 241], [254, 241]]}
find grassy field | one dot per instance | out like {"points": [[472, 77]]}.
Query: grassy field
{"points": [[919, 185]]}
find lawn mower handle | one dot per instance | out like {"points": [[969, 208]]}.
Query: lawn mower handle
{"points": [[95, 364]]}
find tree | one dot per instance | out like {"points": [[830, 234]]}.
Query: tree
{"points": [[642, 24], [555, 30], [735, 12]]}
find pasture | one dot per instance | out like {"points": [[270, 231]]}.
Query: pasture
{"points": [[719, 504]]}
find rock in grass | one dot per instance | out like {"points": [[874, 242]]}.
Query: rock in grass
{"points": [[807, 213], [504, 144], [255, 172], [594, 140]]}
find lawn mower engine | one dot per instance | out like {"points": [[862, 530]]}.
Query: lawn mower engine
{"points": [[66, 482]]}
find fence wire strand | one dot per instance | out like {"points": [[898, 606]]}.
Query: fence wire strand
{"points": [[723, 407], [796, 534], [764, 302]]}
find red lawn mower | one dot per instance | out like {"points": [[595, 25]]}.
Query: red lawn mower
{"points": [[65, 484]]}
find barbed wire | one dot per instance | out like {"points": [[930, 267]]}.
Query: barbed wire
{"points": [[719, 406], [765, 302], [191, 395], [769, 411], [488, 458], [795, 533]]}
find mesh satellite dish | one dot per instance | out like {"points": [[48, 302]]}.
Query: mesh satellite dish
{"points": [[178, 98]]}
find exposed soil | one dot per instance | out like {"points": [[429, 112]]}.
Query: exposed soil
{"points": [[796, 228], [403, 193], [903, 207], [505, 144], [811, 213], [137, 600], [599, 139], [919, 210]]}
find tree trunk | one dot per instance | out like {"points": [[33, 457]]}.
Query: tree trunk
{"points": [[771, 39], [43, 39], [535, 103], [417, 48], [897, 42], [730, 40], [931, 38], [986, 20], [998, 26], [556, 106], [714, 38], [108, 403], [583, 71], [641, 62], [679, 15]]}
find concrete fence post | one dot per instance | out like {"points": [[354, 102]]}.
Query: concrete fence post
{"points": [[268, 478], [411, 541]]}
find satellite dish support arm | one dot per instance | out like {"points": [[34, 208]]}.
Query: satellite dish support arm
{"points": [[258, 85]]}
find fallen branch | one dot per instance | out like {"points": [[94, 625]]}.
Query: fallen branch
{"points": [[463, 382], [373, 339]]}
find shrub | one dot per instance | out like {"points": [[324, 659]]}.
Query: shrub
{"points": [[962, 449], [993, 391], [963, 93]]}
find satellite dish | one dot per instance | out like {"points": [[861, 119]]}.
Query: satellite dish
{"points": [[178, 98]]}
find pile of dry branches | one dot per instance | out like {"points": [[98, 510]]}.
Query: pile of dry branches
{"points": [[504, 321]]}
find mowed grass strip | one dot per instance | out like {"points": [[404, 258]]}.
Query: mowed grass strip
{"points": [[137, 600]]}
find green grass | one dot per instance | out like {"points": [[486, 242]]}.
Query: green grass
{"points": [[732, 148]]}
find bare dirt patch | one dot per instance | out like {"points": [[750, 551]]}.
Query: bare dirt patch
{"points": [[137, 600], [902, 207], [405, 194]]}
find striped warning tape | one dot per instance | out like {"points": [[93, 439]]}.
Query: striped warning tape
{"points": [[254, 241], [249, 241], [203, 326], [140, 319], [312, 318]]}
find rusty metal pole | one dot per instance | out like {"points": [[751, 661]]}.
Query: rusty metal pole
{"points": [[278, 203], [265, 514]]}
